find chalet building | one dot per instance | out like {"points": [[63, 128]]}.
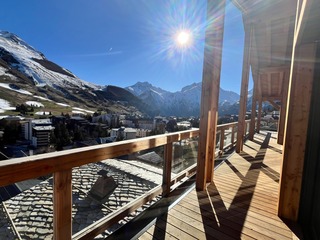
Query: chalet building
{"points": [[268, 188], [37, 131], [145, 124], [110, 119], [80, 121], [142, 133], [123, 133]]}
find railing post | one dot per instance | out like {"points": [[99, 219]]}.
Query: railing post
{"points": [[62, 205], [166, 177]]}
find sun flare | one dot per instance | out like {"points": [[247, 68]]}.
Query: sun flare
{"points": [[183, 39]]}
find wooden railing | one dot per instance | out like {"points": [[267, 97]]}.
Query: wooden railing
{"points": [[60, 164]]}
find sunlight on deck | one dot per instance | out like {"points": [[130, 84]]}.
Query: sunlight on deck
{"points": [[241, 203]]}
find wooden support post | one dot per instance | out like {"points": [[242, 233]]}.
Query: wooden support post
{"points": [[300, 89], [244, 88], [62, 205], [166, 180], [259, 115], [253, 113], [283, 109], [210, 91]]}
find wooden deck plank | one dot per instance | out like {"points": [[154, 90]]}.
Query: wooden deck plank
{"points": [[209, 231], [273, 219], [257, 219], [242, 201], [210, 222], [173, 230], [157, 233], [238, 216]]}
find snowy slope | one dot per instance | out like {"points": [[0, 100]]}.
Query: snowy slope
{"points": [[33, 64]]}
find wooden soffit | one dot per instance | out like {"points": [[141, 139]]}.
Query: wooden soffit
{"points": [[270, 83], [273, 23]]}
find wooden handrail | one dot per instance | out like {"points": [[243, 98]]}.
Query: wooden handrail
{"points": [[61, 164], [19, 169]]}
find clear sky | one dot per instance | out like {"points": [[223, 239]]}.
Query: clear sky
{"points": [[120, 42]]}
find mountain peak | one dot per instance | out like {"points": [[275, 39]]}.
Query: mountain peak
{"points": [[15, 39]]}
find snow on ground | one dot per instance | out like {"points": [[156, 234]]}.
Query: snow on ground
{"points": [[4, 85], [34, 103], [42, 113], [43, 98], [78, 112], [63, 104], [83, 110], [5, 105]]}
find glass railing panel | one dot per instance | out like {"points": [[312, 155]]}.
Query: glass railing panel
{"points": [[227, 136], [218, 139], [185, 154], [235, 133]]}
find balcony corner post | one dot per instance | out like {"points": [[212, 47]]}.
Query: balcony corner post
{"points": [[210, 91]]}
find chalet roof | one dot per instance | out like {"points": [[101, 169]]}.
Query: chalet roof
{"points": [[151, 157], [32, 210], [43, 128]]}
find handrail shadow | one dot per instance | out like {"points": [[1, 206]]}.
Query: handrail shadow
{"points": [[230, 221]]}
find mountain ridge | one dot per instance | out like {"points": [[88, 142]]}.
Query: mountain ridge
{"points": [[23, 67], [185, 102]]}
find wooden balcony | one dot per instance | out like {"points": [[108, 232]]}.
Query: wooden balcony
{"points": [[61, 164], [240, 203]]}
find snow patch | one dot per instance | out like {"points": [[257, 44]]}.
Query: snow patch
{"points": [[82, 110], [78, 112], [7, 86], [42, 113], [42, 98], [4, 104], [34, 103], [63, 104]]}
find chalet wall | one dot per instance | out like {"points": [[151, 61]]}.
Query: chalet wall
{"points": [[309, 212]]}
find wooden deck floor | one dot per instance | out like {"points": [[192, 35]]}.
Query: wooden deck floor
{"points": [[240, 204]]}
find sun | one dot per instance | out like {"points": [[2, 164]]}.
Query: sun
{"points": [[183, 39]]}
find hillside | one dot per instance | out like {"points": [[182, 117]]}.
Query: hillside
{"points": [[27, 75]]}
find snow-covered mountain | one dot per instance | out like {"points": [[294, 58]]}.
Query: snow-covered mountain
{"points": [[18, 55], [181, 103], [28, 75]]}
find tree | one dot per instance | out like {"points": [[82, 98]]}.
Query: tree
{"points": [[12, 132], [61, 136], [172, 126]]}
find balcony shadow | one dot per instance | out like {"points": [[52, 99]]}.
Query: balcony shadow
{"points": [[229, 221]]}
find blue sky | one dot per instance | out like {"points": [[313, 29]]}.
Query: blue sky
{"points": [[120, 42]]}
